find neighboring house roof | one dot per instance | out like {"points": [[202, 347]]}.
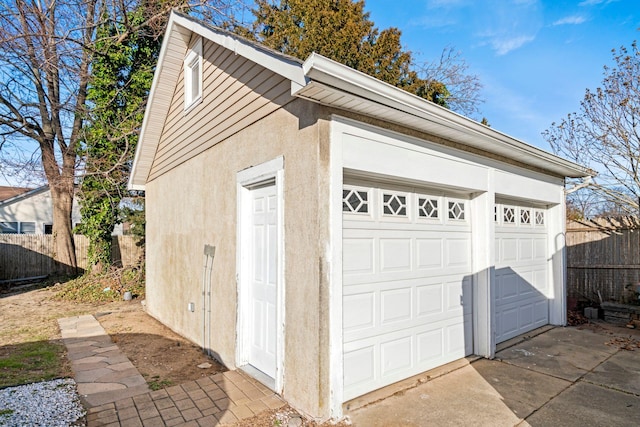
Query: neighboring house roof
{"points": [[330, 83], [9, 192], [23, 195]]}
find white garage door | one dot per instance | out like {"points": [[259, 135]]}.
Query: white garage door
{"points": [[522, 287], [407, 284]]}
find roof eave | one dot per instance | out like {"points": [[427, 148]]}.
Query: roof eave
{"points": [[347, 80], [24, 195]]}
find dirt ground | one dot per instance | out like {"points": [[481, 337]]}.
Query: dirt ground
{"points": [[163, 357]]}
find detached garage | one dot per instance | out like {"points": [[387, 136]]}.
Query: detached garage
{"points": [[362, 235]]}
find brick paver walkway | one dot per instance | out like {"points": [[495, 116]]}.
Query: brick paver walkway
{"points": [[116, 395]]}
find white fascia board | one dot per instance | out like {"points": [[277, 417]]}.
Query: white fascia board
{"points": [[287, 67], [348, 80], [137, 182]]}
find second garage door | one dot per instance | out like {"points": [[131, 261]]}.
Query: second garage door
{"points": [[407, 283], [522, 289]]}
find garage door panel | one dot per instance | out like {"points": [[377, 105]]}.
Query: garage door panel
{"points": [[526, 285], [540, 282], [525, 316], [507, 287], [358, 311], [395, 355], [429, 299], [508, 250], [525, 250], [458, 253], [429, 253], [459, 296], [395, 254], [507, 321], [360, 364], [541, 312], [540, 249], [358, 255], [395, 305], [459, 339]]}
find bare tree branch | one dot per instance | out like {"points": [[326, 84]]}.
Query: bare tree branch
{"points": [[604, 136], [452, 70]]}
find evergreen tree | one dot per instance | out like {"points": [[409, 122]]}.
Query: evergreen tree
{"points": [[341, 30]]}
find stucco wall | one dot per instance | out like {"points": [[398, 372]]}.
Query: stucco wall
{"points": [[195, 204]]}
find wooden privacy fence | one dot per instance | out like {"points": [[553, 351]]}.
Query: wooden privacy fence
{"points": [[31, 255], [602, 255]]}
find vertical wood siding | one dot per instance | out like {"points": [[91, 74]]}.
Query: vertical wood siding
{"points": [[601, 260], [236, 93], [23, 255]]}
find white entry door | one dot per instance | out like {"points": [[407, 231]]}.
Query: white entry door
{"points": [[262, 326]]}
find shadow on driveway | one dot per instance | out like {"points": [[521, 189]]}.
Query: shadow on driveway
{"points": [[562, 376]]}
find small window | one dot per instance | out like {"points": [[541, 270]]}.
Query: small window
{"points": [[9, 227], [427, 208], [394, 204], [355, 201], [27, 228], [525, 216], [48, 229], [193, 75], [539, 218], [495, 213], [508, 215], [456, 210]]}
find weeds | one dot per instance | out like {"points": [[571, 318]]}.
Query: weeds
{"points": [[157, 384], [104, 286]]}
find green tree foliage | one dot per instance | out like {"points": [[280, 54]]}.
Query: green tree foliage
{"points": [[125, 51], [605, 136], [341, 30], [120, 81]]}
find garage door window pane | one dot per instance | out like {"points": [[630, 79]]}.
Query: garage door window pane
{"points": [[394, 204], [355, 201], [525, 216], [509, 215], [427, 208], [456, 210], [539, 218]]}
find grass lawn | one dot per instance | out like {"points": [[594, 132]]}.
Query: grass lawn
{"points": [[30, 346], [31, 362]]}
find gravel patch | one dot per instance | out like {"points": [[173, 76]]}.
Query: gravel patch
{"points": [[45, 404]]}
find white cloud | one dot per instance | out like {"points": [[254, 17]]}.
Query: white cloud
{"points": [[502, 46], [595, 2], [571, 20]]}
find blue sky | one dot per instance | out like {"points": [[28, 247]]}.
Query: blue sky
{"points": [[535, 58]]}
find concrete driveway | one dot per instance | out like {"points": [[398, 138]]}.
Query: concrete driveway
{"points": [[551, 377]]}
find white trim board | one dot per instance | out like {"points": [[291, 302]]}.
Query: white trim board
{"points": [[269, 172]]}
